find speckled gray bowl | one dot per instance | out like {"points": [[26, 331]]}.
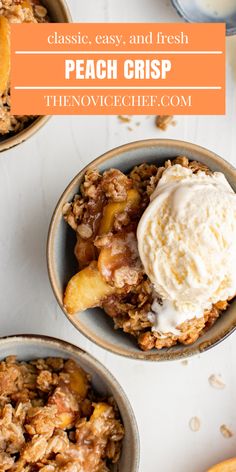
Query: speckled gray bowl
{"points": [[28, 347], [94, 323], [189, 11], [59, 13]]}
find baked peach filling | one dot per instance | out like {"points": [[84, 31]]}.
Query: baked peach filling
{"points": [[4, 54], [14, 11], [51, 419], [105, 216]]}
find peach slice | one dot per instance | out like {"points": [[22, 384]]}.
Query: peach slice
{"points": [[100, 409], [226, 466], [109, 261], [78, 383], [4, 53], [26, 4], [111, 210], [66, 420], [86, 289]]}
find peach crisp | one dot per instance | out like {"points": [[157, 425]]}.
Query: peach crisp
{"points": [[105, 216], [51, 419]]}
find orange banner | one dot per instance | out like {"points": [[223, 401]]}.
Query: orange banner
{"points": [[118, 68]]}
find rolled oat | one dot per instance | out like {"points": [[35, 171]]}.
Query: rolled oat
{"points": [[216, 382], [116, 251], [17, 11], [194, 424], [52, 420], [226, 431]]}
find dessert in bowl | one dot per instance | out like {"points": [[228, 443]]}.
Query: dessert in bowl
{"points": [[153, 220], [16, 129], [61, 410]]}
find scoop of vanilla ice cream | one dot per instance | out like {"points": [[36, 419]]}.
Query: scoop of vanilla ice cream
{"points": [[187, 244]]}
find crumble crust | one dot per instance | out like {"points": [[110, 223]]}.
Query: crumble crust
{"points": [[130, 304], [18, 11], [51, 420]]}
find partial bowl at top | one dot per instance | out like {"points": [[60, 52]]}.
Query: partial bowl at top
{"points": [[94, 323], [32, 347], [58, 13], [208, 11]]}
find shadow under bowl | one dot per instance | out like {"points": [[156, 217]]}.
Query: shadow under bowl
{"points": [[29, 347], [62, 264]]}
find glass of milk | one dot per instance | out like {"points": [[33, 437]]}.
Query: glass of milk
{"points": [[207, 11]]}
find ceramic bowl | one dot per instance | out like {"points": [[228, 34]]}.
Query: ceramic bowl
{"points": [[28, 347], [190, 11], [94, 323], [59, 13]]}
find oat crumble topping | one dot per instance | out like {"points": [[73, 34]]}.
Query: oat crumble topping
{"points": [[51, 420], [17, 11], [105, 215]]}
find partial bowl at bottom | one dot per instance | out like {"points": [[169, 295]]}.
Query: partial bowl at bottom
{"points": [[29, 347]]}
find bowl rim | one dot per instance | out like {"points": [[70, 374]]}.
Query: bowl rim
{"points": [[230, 31], [56, 218], [99, 368], [37, 123], [66, 10], [23, 135]]}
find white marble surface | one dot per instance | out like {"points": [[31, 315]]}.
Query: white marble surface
{"points": [[32, 177]]}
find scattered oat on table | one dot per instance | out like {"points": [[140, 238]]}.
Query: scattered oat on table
{"points": [[226, 431], [163, 121], [124, 118], [194, 424], [184, 362], [216, 381], [128, 119]]}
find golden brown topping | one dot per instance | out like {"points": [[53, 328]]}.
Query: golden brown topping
{"points": [[105, 217], [63, 427], [196, 166], [119, 262], [14, 11], [146, 341], [181, 160], [115, 185], [41, 420]]}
